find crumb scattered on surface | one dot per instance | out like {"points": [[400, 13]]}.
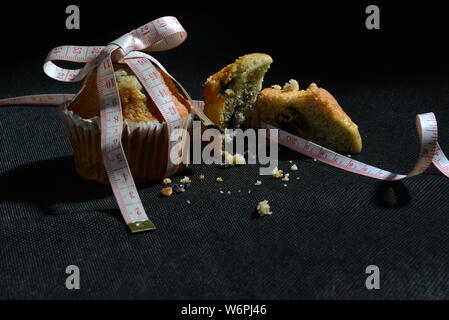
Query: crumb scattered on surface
{"points": [[221, 191], [188, 201], [166, 192], [349, 155], [263, 208], [258, 183], [285, 178], [185, 180], [294, 167], [166, 181], [236, 159], [285, 185], [228, 158], [201, 177], [277, 173], [239, 159], [297, 178], [219, 179], [229, 192], [276, 86], [314, 159]]}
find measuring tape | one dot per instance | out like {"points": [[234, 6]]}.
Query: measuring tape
{"points": [[158, 35], [430, 152]]}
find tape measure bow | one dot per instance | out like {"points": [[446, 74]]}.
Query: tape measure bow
{"points": [[158, 35]]}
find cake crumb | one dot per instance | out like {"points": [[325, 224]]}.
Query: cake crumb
{"points": [[166, 181], [276, 86], [188, 201], [349, 155], [277, 173], [239, 159], [221, 191], [219, 179], [263, 208], [201, 177], [285, 185], [258, 183], [285, 178], [236, 159], [292, 85], [228, 158], [185, 180], [294, 167], [166, 192], [229, 192]]}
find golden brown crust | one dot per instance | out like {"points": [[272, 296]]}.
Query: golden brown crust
{"points": [[313, 114], [220, 95], [136, 104]]}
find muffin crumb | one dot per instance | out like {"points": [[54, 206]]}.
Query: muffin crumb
{"points": [[294, 167], [285, 178], [277, 173], [292, 85], [201, 177], [166, 181], [263, 208], [219, 179], [185, 180], [258, 183], [166, 192], [239, 159]]}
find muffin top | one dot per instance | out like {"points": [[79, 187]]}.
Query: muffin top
{"points": [[136, 103]]}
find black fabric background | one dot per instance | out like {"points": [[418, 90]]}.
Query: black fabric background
{"points": [[326, 227]]}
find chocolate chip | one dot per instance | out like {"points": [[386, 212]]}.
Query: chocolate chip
{"points": [[233, 123]]}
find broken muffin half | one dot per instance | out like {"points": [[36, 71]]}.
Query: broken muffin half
{"points": [[231, 93], [312, 114]]}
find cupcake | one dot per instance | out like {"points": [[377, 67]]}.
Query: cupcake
{"points": [[145, 133]]}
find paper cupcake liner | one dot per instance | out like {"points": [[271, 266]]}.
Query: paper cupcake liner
{"points": [[143, 143]]}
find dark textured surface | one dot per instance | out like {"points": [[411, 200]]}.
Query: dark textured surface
{"points": [[326, 227]]}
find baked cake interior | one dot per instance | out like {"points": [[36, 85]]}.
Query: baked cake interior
{"points": [[241, 93]]}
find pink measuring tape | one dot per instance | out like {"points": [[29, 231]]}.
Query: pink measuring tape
{"points": [[161, 34], [430, 152]]}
